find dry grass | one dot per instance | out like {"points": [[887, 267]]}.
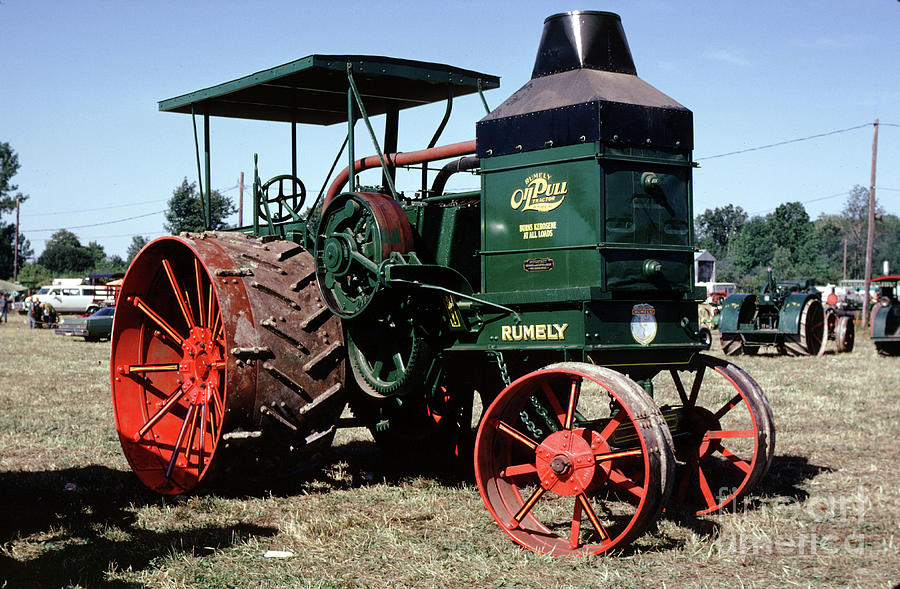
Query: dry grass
{"points": [[828, 514]]}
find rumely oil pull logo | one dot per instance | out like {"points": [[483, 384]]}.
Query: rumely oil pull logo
{"points": [[539, 194]]}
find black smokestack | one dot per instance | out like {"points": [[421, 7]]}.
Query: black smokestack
{"points": [[583, 39]]}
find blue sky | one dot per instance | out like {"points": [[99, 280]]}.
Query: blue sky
{"points": [[81, 82]]}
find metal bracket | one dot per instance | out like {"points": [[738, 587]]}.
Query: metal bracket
{"points": [[365, 118]]}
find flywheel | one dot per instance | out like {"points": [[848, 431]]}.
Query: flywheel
{"points": [[221, 341], [357, 233]]}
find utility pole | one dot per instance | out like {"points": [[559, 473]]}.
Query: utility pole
{"points": [[16, 246], [845, 257], [870, 236], [241, 202]]}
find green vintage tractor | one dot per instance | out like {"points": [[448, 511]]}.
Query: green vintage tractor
{"points": [[885, 316], [558, 296], [787, 315]]}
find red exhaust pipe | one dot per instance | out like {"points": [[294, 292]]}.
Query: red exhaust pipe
{"points": [[400, 159]]}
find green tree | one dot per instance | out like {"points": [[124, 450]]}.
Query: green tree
{"points": [[64, 254], [717, 227], [137, 244], [829, 230], [185, 211], [855, 215], [887, 245], [9, 166], [34, 275], [109, 265], [96, 252], [751, 250]]}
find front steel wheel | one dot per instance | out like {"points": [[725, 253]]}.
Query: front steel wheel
{"points": [[573, 459]]}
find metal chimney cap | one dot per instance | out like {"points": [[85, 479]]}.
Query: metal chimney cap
{"points": [[576, 12], [583, 39]]}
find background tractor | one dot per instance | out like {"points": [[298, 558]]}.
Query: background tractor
{"points": [[885, 319], [787, 315], [561, 293]]}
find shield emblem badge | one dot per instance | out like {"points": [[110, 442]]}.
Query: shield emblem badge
{"points": [[643, 323]]}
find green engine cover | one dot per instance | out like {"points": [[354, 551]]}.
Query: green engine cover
{"points": [[587, 216]]}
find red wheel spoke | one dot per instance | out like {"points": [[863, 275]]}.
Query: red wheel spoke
{"points": [[595, 521], [158, 415], [695, 388], [210, 305], [614, 423], [516, 435], [216, 325], [517, 519], [614, 455], [184, 427], [197, 276], [219, 406], [554, 402], [680, 386], [622, 481], [704, 487], [204, 411], [181, 303], [573, 401], [576, 526], [212, 415], [734, 459], [154, 316], [518, 470], [730, 433], [148, 368], [190, 440], [735, 400]]}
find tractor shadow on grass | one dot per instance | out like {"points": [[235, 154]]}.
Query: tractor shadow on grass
{"points": [[782, 482], [786, 474], [81, 521], [346, 466]]}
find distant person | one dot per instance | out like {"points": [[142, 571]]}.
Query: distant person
{"points": [[34, 315], [4, 306], [50, 316]]}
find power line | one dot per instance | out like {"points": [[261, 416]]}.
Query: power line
{"points": [[130, 204], [835, 195], [118, 206], [99, 224], [96, 237], [807, 138]]}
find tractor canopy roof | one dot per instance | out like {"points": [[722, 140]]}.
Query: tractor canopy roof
{"points": [[313, 89]]}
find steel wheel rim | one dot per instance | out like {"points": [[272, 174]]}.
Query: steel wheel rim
{"points": [[169, 369], [612, 499]]}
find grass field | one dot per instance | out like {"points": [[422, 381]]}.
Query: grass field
{"points": [[73, 514]]}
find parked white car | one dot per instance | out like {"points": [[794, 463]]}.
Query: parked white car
{"points": [[75, 298]]}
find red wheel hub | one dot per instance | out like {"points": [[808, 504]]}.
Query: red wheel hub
{"points": [[565, 462], [200, 364]]}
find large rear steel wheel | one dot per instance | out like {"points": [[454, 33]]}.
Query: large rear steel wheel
{"points": [[573, 459], [813, 331], [723, 431], [219, 340]]}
